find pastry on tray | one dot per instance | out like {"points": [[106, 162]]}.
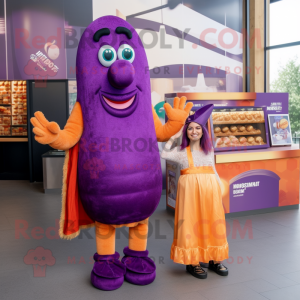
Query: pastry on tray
{"points": [[237, 117], [235, 130], [233, 141]]}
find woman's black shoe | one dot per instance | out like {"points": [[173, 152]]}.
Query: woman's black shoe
{"points": [[220, 269], [196, 271]]}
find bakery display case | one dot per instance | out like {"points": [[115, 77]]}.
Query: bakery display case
{"points": [[235, 128], [13, 108]]}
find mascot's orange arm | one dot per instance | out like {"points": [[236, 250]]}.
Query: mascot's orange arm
{"points": [[49, 132], [176, 119], [71, 134]]}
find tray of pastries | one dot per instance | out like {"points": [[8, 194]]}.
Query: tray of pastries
{"points": [[5, 120], [238, 117], [19, 131], [233, 141], [19, 98], [5, 86], [5, 98], [19, 109], [5, 110], [236, 130], [19, 120], [5, 130], [19, 86], [238, 127]]}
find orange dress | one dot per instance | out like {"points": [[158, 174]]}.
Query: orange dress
{"points": [[200, 228]]}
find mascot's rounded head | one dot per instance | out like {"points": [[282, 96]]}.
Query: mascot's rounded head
{"points": [[112, 67]]}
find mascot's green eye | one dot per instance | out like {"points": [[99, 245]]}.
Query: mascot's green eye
{"points": [[107, 55], [126, 52]]}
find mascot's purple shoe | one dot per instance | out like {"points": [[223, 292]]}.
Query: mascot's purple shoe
{"points": [[108, 272], [140, 268]]}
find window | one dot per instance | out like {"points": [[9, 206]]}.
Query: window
{"points": [[283, 54]]}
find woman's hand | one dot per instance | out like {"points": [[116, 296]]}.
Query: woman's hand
{"points": [[178, 134]]}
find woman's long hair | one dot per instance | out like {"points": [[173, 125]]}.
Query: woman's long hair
{"points": [[205, 141]]}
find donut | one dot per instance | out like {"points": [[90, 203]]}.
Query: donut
{"points": [[215, 116], [226, 141], [250, 140], [225, 129], [249, 116], [258, 139], [249, 128], [242, 140], [217, 130], [233, 128], [241, 128], [242, 116], [227, 117], [234, 116], [219, 141], [257, 115], [234, 141]]}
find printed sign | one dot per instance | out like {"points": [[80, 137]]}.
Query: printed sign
{"points": [[280, 130], [255, 189]]}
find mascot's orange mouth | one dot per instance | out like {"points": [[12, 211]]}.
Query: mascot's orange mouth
{"points": [[119, 104]]}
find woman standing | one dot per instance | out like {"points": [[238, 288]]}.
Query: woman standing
{"points": [[200, 229]]}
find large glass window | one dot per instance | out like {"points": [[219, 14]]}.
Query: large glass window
{"points": [[283, 55]]}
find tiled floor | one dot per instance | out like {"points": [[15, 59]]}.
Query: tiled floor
{"points": [[262, 265]]}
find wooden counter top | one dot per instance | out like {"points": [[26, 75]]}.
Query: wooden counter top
{"points": [[258, 154]]}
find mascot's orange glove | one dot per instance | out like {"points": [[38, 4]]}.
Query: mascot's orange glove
{"points": [[176, 118], [49, 132]]}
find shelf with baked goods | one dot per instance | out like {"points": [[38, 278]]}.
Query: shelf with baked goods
{"points": [[237, 117], [234, 142], [13, 111], [19, 120], [19, 131], [237, 128], [5, 130]]}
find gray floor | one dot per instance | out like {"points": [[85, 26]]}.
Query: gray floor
{"points": [[273, 271]]}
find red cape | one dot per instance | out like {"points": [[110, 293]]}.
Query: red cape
{"points": [[73, 216]]}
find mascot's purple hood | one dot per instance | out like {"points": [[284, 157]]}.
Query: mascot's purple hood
{"points": [[119, 173]]}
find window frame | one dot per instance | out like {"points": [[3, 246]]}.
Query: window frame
{"points": [[269, 48]]}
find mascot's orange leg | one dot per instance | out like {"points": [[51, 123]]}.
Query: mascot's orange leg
{"points": [[105, 239], [140, 269], [138, 237]]}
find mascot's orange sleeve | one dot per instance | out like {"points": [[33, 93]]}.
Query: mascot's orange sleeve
{"points": [[72, 132], [176, 119]]}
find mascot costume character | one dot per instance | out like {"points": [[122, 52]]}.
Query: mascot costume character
{"points": [[112, 173]]}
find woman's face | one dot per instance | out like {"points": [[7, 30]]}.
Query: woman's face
{"points": [[194, 131]]}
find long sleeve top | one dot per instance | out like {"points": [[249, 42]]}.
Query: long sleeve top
{"points": [[180, 157]]}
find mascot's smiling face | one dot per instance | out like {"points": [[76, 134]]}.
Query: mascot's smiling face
{"points": [[111, 61]]}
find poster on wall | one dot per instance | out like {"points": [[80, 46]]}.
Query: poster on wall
{"points": [[35, 40], [280, 130]]}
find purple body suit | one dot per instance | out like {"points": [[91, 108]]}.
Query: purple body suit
{"points": [[119, 169]]}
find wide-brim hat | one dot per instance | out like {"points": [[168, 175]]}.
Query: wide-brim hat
{"points": [[201, 115]]}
